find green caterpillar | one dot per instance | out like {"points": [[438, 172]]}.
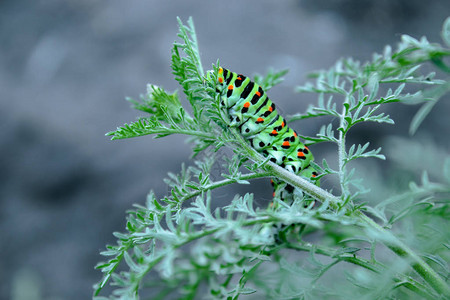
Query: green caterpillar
{"points": [[256, 118]]}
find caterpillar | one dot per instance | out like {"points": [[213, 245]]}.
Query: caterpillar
{"points": [[256, 118]]}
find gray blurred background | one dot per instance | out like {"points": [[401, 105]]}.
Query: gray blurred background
{"points": [[65, 69]]}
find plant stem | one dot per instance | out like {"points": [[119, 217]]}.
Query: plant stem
{"points": [[224, 182], [305, 185], [342, 150], [376, 267], [164, 131], [297, 181], [341, 158], [402, 250]]}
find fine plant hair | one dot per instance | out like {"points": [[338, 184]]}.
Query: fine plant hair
{"points": [[342, 245]]}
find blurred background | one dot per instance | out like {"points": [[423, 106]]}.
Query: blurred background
{"points": [[65, 69]]}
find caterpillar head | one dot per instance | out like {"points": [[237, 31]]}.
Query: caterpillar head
{"points": [[219, 80], [220, 84]]}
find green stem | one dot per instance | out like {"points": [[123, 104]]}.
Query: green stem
{"points": [[341, 149], [341, 154], [376, 267], [402, 250], [275, 170], [224, 182], [297, 181], [164, 131]]}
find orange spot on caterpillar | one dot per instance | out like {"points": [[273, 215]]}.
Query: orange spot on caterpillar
{"points": [[220, 70], [258, 93], [295, 134], [239, 78], [270, 109], [220, 80], [286, 144], [274, 132], [230, 87], [306, 148], [283, 124], [247, 104], [314, 175], [300, 154], [259, 120]]}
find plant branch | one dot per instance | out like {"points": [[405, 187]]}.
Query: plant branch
{"points": [[121, 132], [224, 182], [376, 267], [308, 187], [297, 181], [402, 250], [342, 151]]}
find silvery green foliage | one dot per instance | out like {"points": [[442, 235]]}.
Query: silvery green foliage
{"points": [[188, 246]]}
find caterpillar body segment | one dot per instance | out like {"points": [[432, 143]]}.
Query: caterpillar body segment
{"points": [[255, 116]]}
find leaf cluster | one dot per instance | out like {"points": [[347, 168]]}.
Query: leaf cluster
{"points": [[353, 92], [186, 244]]}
